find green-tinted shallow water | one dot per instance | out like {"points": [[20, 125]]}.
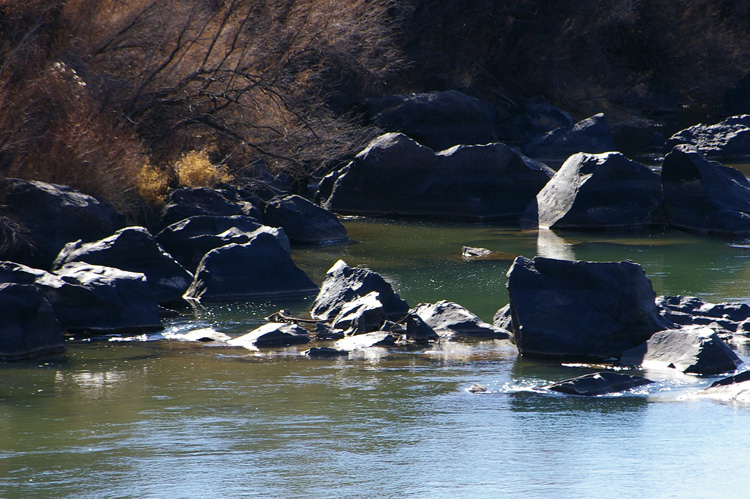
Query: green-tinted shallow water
{"points": [[171, 419]]}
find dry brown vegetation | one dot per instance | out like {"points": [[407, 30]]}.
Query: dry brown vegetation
{"points": [[108, 95]]}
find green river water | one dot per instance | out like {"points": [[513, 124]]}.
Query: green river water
{"points": [[171, 419]]}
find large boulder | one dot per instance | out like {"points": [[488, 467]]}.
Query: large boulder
{"points": [[591, 135], [598, 191], [599, 383], [580, 310], [29, 327], [49, 216], [188, 202], [438, 120], [396, 176], [190, 239], [133, 249], [364, 314], [728, 140], [92, 299], [693, 350], [304, 222], [273, 334], [704, 196], [451, 320], [344, 284], [258, 269]]}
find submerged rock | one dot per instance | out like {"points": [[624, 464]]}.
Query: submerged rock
{"points": [[260, 268], [596, 192], [728, 140], [689, 350], [704, 196], [29, 327], [437, 120], [396, 176], [49, 216], [591, 135], [344, 284], [366, 340], [579, 309], [273, 334], [599, 383], [451, 320], [325, 352], [304, 222], [133, 249]]}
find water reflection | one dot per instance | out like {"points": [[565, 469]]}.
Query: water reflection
{"points": [[550, 245]]}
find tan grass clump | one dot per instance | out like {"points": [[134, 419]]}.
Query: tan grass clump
{"points": [[194, 169]]}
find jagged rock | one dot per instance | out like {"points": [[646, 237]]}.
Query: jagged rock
{"points": [[579, 309], [503, 320], [344, 284], [133, 249], [704, 196], [364, 314], [726, 319], [273, 334], [728, 140], [438, 120], [187, 202], [91, 298], [49, 216], [366, 340], [451, 320], [303, 222], [416, 329], [396, 176], [29, 327], [325, 352], [598, 191], [694, 350], [189, 240], [591, 135], [598, 384], [260, 268]]}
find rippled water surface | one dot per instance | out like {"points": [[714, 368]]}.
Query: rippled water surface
{"points": [[172, 419]]}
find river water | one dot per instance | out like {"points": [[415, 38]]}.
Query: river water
{"points": [[173, 419]]}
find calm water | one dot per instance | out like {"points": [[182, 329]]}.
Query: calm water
{"points": [[171, 419]]}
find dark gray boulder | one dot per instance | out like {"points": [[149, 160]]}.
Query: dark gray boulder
{"points": [[49, 216], [29, 327], [693, 350], [396, 176], [599, 383], [188, 202], [190, 239], [413, 328], [597, 192], [363, 314], [304, 222], [133, 249], [732, 380], [591, 135], [438, 120], [451, 320], [728, 140], [273, 334], [92, 299], [580, 310], [704, 196], [258, 269], [537, 116], [344, 284]]}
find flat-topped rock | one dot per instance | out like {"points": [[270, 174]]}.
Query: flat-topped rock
{"points": [[727, 140]]}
